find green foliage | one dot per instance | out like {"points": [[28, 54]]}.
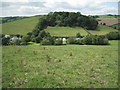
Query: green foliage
{"points": [[113, 35], [5, 41], [71, 19], [94, 40], [71, 40], [58, 41], [26, 38], [46, 41], [16, 42], [78, 35]]}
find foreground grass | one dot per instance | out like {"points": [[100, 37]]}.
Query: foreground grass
{"points": [[66, 66], [67, 31]]}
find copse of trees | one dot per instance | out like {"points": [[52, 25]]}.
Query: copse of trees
{"points": [[113, 35], [71, 19], [94, 40]]}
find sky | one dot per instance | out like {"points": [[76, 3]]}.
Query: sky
{"points": [[40, 7]]}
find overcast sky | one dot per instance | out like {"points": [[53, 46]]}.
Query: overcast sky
{"points": [[40, 7]]}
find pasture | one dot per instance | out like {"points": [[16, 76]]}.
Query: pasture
{"points": [[22, 26], [65, 66], [68, 31], [109, 21]]}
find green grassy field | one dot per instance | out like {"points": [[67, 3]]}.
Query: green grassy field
{"points": [[66, 66], [67, 31], [22, 26]]}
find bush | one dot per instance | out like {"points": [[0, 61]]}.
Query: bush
{"points": [[16, 42], [24, 43], [78, 35], [5, 41], [71, 40], [58, 42], [46, 41], [26, 38], [94, 40], [113, 36]]}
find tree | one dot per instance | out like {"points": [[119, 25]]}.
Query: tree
{"points": [[58, 42], [17, 42], [78, 35], [25, 38], [71, 40], [5, 41]]}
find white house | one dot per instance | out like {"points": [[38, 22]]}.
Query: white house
{"points": [[77, 38], [64, 39], [15, 38], [7, 36]]}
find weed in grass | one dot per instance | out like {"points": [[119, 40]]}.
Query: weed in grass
{"points": [[70, 53], [18, 50], [48, 58], [35, 52]]}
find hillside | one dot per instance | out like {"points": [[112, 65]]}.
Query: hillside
{"points": [[26, 25], [67, 31], [108, 20], [22, 26]]}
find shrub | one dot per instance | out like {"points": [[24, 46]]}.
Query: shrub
{"points": [[104, 23], [46, 41], [5, 41], [26, 38], [17, 42], [78, 35], [24, 43], [71, 40], [58, 42], [94, 40], [113, 35]]}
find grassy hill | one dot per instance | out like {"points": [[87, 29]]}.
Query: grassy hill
{"points": [[22, 26], [67, 31], [26, 25]]}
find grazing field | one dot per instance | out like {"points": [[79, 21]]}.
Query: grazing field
{"points": [[66, 66], [108, 21], [67, 31], [107, 16], [22, 26]]}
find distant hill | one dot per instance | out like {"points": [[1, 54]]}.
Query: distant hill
{"points": [[26, 25]]}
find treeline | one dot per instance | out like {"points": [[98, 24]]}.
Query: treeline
{"points": [[71, 19], [10, 19]]}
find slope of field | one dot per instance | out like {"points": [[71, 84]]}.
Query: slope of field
{"points": [[107, 16], [67, 31], [22, 26], [108, 21], [117, 26], [89, 66]]}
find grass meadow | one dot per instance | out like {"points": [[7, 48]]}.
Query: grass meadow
{"points": [[67, 31], [22, 26], [65, 66]]}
